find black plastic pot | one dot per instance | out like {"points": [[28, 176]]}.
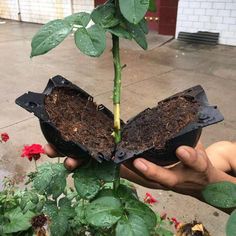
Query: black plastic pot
{"points": [[34, 102], [207, 115]]}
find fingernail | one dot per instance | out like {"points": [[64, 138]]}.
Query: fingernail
{"points": [[140, 165], [183, 153]]}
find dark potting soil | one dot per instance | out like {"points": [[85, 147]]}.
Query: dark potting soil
{"points": [[79, 120], [153, 127]]}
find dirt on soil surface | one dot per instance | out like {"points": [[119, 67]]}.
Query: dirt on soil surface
{"points": [[153, 127], [79, 120]]}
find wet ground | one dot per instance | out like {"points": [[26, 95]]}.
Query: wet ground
{"points": [[149, 77]]}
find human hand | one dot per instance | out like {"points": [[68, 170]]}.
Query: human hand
{"points": [[73, 163], [189, 176], [69, 162]]}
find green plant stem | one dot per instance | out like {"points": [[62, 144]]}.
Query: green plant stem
{"points": [[116, 100], [36, 167], [117, 87]]}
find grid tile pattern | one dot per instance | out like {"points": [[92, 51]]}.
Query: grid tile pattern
{"points": [[42, 11], [208, 15]]}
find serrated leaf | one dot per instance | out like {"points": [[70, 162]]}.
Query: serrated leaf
{"points": [[29, 201], [138, 208], [105, 171], [57, 186], [58, 226], [17, 221], [91, 41], [51, 178], [86, 183], [120, 32], [152, 6], [105, 15], [43, 178], [80, 214], [66, 208], [132, 226], [40, 206], [231, 224], [80, 18], [103, 212], [138, 35], [50, 209], [49, 36], [221, 194], [134, 10]]}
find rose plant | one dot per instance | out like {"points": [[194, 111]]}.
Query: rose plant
{"points": [[98, 203], [91, 207]]}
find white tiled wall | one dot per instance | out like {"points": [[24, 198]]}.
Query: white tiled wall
{"points": [[208, 15], [42, 11], [9, 9], [83, 5]]}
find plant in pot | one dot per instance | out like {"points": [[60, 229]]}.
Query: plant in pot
{"points": [[101, 204]]}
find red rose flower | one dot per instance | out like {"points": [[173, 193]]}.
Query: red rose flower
{"points": [[175, 222], [4, 137], [32, 152], [149, 199]]}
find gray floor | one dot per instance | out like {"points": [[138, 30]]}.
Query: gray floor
{"points": [[149, 77]]}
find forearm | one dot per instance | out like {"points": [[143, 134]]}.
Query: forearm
{"points": [[223, 156], [221, 176]]}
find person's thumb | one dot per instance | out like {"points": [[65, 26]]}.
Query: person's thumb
{"points": [[196, 159], [155, 173]]}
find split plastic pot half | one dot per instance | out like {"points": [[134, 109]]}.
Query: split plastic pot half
{"points": [[188, 135]]}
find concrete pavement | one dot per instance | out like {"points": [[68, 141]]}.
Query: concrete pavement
{"points": [[149, 77]]}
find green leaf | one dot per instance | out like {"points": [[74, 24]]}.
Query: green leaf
{"points": [[58, 226], [29, 201], [80, 214], [152, 6], [135, 207], [51, 178], [105, 193], [164, 232], [104, 15], [132, 226], [17, 221], [91, 41], [134, 10], [50, 209], [86, 183], [105, 171], [43, 178], [126, 193], [120, 32], [40, 205], [80, 18], [49, 36], [221, 194], [104, 212], [144, 26], [138, 35], [231, 224], [66, 208]]}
